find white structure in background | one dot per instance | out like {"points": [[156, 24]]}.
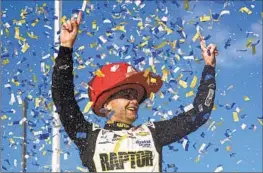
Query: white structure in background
{"points": [[56, 124]]}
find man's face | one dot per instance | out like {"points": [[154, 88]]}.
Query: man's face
{"points": [[125, 106]]}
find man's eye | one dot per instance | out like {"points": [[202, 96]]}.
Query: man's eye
{"points": [[126, 96]]}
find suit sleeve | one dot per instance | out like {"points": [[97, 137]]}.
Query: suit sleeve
{"points": [[63, 96], [193, 116]]}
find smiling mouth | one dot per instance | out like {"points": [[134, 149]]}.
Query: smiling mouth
{"points": [[133, 109]]}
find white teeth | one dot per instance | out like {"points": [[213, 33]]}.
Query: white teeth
{"points": [[131, 109]]}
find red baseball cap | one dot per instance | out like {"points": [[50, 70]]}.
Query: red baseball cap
{"points": [[115, 77]]}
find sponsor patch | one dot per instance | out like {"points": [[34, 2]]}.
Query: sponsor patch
{"points": [[95, 127], [116, 160], [200, 108], [209, 97], [144, 143], [150, 124], [64, 67]]}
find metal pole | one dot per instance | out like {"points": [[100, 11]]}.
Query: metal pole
{"points": [[24, 136], [56, 124]]}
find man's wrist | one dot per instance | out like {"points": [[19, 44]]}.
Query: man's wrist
{"points": [[208, 69], [66, 45], [65, 50]]}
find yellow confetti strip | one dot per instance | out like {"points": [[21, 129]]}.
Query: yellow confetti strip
{"points": [[260, 121], [245, 9], [29, 97], [183, 83], [235, 116], [161, 45], [253, 50], [228, 148], [88, 106], [94, 24], [177, 57], [63, 19], [119, 28], [249, 42], [214, 108], [186, 4], [47, 68], [5, 61], [196, 36], [182, 40], [80, 67], [165, 74], [44, 153], [99, 73], [189, 94], [161, 95], [173, 44], [146, 72], [34, 78], [48, 140], [31, 35], [7, 32], [34, 23], [15, 82], [118, 144], [179, 77], [152, 96], [143, 44], [165, 27], [11, 140], [197, 159], [153, 80], [17, 34], [153, 68], [140, 25], [23, 13], [50, 107], [262, 15], [81, 48], [25, 47], [19, 22], [193, 83], [205, 18], [3, 117], [37, 102], [92, 45], [246, 98]]}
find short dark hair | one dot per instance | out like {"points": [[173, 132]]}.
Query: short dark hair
{"points": [[122, 93]]}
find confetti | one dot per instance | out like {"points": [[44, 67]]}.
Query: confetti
{"points": [[246, 98], [245, 9], [235, 116], [99, 73], [205, 18], [183, 83], [194, 81], [87, 107], [189, 94], [156, 38]]}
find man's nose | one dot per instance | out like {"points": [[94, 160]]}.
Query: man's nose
{"points": [[134, 101]]}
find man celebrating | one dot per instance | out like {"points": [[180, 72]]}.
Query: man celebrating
{"points": [[117, 94]]}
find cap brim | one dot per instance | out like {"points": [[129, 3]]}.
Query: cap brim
{"points": [[144, 85]]}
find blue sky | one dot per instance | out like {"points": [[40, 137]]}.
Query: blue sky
{"points": [[239, 75]]}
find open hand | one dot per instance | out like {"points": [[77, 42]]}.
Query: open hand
{"points": [[69, 31], [208, 52]]}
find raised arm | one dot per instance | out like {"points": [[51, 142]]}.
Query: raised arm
{"points": [[196, 114], [63, 86]]}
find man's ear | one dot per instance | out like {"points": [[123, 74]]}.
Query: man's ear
{"points": [[107, 106]]}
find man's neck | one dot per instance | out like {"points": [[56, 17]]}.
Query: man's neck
{"points": [[115, 125]]}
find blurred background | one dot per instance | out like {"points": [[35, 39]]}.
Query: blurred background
{"points": [[158, 35]]}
